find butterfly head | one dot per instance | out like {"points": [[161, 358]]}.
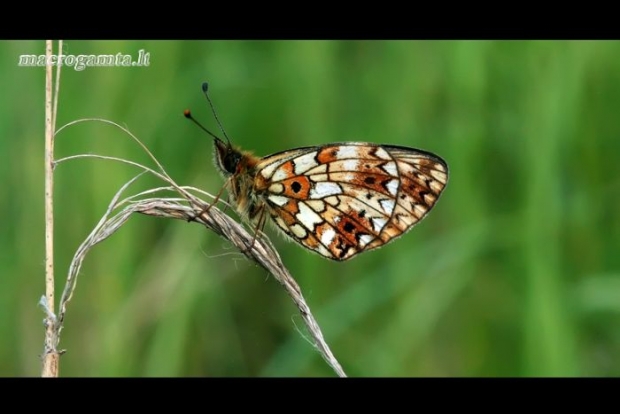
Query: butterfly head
{"points": [[227, 157]]}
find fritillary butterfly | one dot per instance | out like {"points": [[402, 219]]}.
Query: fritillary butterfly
{"points": [[337, 200]]}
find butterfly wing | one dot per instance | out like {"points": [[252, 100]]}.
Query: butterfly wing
{"points": [[342, 199]]}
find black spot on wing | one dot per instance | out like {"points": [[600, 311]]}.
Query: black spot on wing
{"points": [[348, 227]]}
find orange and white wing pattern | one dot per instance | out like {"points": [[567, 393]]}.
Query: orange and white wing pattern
{"points": [[342, 199]]}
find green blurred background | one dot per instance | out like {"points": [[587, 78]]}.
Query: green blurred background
{"points": [[514, 273]]}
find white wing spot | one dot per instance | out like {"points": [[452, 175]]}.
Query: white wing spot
{"points": [[377, 223], [278, 200], [365, 239], [324, 189], [280, 175], [391, 169], [305, 162], [387, 205], [307, 216], [347, 151], [392, 187], [328, 236], [383, 154], [268, 170], [350, 165]]}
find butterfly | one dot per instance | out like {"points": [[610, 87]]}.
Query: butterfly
{"points": [[338, 199]]}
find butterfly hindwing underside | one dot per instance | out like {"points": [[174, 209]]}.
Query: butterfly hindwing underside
{"points": [[337, 200]]}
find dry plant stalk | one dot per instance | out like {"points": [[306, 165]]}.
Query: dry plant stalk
{"points": [[51, 356], [187, 207]]}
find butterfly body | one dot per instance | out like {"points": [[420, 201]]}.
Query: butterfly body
{"points": [[338, 199]]}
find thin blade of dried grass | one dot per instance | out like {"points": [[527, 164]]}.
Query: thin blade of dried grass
{"points": [[262, 252], [194, 209]]}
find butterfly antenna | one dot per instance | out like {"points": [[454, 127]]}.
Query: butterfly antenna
{"points": [[189, 116], [205, 90]]}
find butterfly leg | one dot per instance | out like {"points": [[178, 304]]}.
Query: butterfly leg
{"points": [[260, 225], [206, 209], [226, 206]]}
